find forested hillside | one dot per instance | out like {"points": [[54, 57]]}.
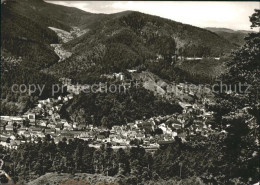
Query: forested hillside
{"points": [[135, 40], [25, 50], [114, 43], [109, 109]]}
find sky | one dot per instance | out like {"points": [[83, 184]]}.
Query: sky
{"points": [[233, 15]]}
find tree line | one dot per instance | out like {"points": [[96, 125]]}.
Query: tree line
{"points": [[211, 159]]}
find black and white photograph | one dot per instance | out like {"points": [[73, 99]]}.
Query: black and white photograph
{"points": [[129, 92]]}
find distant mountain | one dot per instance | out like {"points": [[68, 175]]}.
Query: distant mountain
{"points": [[114, 42], [233, 36], [215, 29]]}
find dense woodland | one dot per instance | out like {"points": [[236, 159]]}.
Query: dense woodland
{"points": [[14, 103], [204, 71], [217, 159], [245, 64], [22, 37], [109, 109], [25, 50]]}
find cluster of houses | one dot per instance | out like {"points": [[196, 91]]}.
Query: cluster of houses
{"points": [[9, 126], [45, 122], [149, 133], [43, 119]]}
